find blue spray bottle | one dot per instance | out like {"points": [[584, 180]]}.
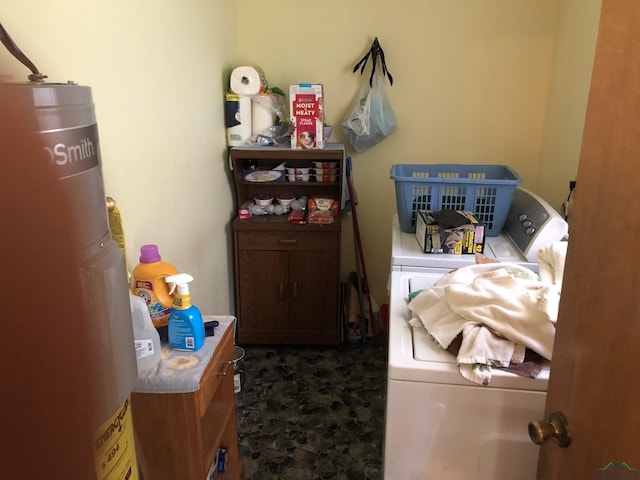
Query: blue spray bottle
{"points": [[186, 328]]}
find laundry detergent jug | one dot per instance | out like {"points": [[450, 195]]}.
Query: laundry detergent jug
{"points": [[148, 282]]}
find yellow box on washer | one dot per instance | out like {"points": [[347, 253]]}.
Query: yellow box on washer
{"points": [[449, 231]]}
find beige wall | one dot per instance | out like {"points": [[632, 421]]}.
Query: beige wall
{"points": [[475, 82], [567, 98], [157, 72], [497, 81]]}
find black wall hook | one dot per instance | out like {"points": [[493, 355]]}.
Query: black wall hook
{"points": [[374, 52]]}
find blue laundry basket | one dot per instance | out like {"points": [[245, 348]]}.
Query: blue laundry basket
{"points": [[486, 190]]}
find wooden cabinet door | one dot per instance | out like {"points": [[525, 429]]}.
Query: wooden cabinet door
{"points": [[287, 285], [313, 278], [594, 372], [264, 284]]}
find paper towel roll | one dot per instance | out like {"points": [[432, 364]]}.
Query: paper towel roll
{"points": [[262, 116], [247, 80], [238, 119]]}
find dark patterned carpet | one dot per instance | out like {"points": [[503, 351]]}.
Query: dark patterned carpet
{"points": [[308, 413]]}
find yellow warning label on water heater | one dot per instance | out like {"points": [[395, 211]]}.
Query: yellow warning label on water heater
{"points": [[114, 447]]}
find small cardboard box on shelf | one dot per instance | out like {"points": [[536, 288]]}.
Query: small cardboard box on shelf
{"points": [[307, 116]]}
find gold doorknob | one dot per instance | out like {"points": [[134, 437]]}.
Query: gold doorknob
{"points": [[556, 428]]}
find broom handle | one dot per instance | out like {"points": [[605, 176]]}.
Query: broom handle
{"points": [[356, 227]]}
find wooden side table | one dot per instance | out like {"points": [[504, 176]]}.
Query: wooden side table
{"points": [[184, 411]]}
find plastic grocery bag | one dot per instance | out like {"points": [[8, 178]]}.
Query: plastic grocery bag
{"points": [[371, 118]]}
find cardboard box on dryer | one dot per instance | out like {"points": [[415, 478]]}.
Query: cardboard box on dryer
{"points": [[449, 231], [307, 116]]}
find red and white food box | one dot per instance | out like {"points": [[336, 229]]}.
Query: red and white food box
{"points": [[307, 116], [322, 210]]}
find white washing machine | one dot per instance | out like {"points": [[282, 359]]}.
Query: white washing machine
{"points": [[440, 426]]}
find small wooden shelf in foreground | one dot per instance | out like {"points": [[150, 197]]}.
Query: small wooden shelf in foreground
{"points": [[178, 434]]}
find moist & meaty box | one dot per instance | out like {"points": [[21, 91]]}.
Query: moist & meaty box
{"points": [[307, 116]]}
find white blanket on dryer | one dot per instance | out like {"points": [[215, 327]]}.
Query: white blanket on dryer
{"points": [[499, 308]]}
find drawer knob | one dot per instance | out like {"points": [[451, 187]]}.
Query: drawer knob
{"points": [[287, 241]]}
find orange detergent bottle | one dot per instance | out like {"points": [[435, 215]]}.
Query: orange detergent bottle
{"points": [[148, 282]]}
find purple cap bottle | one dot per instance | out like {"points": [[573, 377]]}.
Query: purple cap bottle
{"points": [[149, 254]]}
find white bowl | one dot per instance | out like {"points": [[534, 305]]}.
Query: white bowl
{"points": [[298, 177], [326, 178], [298, 171], [325, 171], [325, 164], [263, 200], [285, 201]]}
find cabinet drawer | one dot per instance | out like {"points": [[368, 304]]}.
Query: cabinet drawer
{"points": [[288, 240], [212, 376]]}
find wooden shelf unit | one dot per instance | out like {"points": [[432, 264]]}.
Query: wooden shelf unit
{"points": [[267, 158], [287, 276]]}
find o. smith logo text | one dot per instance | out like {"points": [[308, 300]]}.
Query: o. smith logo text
{"points": [[62, 154], [72, 151]]}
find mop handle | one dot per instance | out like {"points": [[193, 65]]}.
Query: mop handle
{"points": [[359, 245]]}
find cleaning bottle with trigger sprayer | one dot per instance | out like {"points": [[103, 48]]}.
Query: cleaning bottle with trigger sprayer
{"points": [[186, 328]]}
